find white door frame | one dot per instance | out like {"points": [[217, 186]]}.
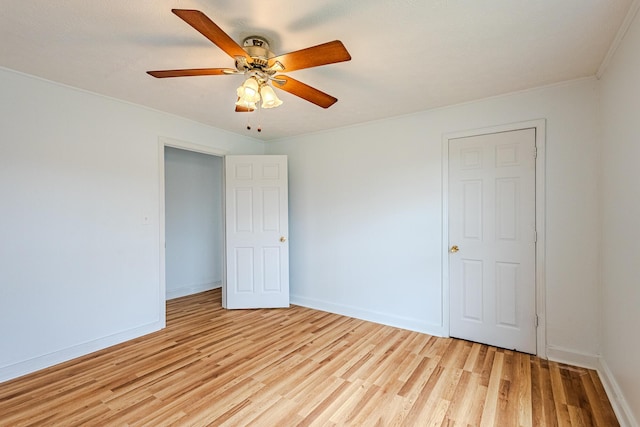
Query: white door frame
{"points": [[540, 127], [188, 146]]}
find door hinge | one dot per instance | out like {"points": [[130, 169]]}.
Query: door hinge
{"points": [[535, 152], [537, 320], [535, 236]]}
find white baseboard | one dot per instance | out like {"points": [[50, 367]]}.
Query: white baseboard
{"points": [[32, 365], [183, 291], [371, 316], [597, 363], [569, 357], [617, 399]]}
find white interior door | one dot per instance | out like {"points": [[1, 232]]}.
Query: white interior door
{"points": [[257, 247], [492, 239]]}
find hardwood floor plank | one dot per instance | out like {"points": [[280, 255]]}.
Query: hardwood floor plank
{"points": [[559, 397], [359, 404], [553, 412], [423, 402], [478, 403], [596, 393], [460, 399], [382, 359], [299, 366], [507, 410], [472, 358], [322, 410], [419, 377], [311, 398], [524, 393], [493, 390]]}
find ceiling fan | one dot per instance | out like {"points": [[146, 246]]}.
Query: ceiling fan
{"points": [[260, 65]]}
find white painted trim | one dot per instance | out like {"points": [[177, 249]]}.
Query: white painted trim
{"points": [[444, 287], [616, 397], [47, 360], [410, 324], [622, 31], [164, 141], [571, 357], [541, 244], [540, 127], [162, 273], [185, 290], [189, 146], [223, 296]]}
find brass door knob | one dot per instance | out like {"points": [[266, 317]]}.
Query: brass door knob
{"points": [[454, 249], [283, 239]]}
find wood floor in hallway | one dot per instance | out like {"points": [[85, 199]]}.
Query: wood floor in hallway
{"points": [[301, 367]]}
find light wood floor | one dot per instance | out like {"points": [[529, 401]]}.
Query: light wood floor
{"points": [[298, 366]]}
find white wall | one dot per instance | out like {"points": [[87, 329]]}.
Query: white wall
{"points": [[621, 212], [78, 174], [366, 203], [193, 222]]}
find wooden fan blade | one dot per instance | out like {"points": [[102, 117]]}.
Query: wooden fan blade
{"points": [[322, 54], [191, 72], [207, 28], [304, 91]]}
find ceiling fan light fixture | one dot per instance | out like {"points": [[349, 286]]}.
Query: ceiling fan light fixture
{"points": [[269, 97], [249, 92], [245, 105]]}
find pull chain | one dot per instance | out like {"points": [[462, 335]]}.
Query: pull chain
{"points": [[259, 129]]}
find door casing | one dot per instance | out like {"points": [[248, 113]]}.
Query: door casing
{"points": [[540, 127]]}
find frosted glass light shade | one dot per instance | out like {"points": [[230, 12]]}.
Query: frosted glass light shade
{"points": [[269, 98], [248, 92]]}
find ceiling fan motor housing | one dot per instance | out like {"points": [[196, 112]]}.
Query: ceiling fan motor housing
{"points": [[258, 49]]}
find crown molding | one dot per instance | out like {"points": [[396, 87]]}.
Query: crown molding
{"points": [[626, 23]]}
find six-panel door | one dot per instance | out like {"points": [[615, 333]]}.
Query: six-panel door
{"points": [[256, 204], [492, 223]]}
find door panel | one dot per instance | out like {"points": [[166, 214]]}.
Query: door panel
{"points": [[506, 294], [472, 290], [472, 209], [243, 268], [492, 222], [507, 193], [256, 232]]}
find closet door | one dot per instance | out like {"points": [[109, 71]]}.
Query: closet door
{"points": [[492, 239], [257, 247]]}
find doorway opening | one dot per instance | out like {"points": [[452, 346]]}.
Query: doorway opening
{"points": [[191, 230], [194, 226]]}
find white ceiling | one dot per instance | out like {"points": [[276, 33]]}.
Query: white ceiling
{"points": [[408, 55]]}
